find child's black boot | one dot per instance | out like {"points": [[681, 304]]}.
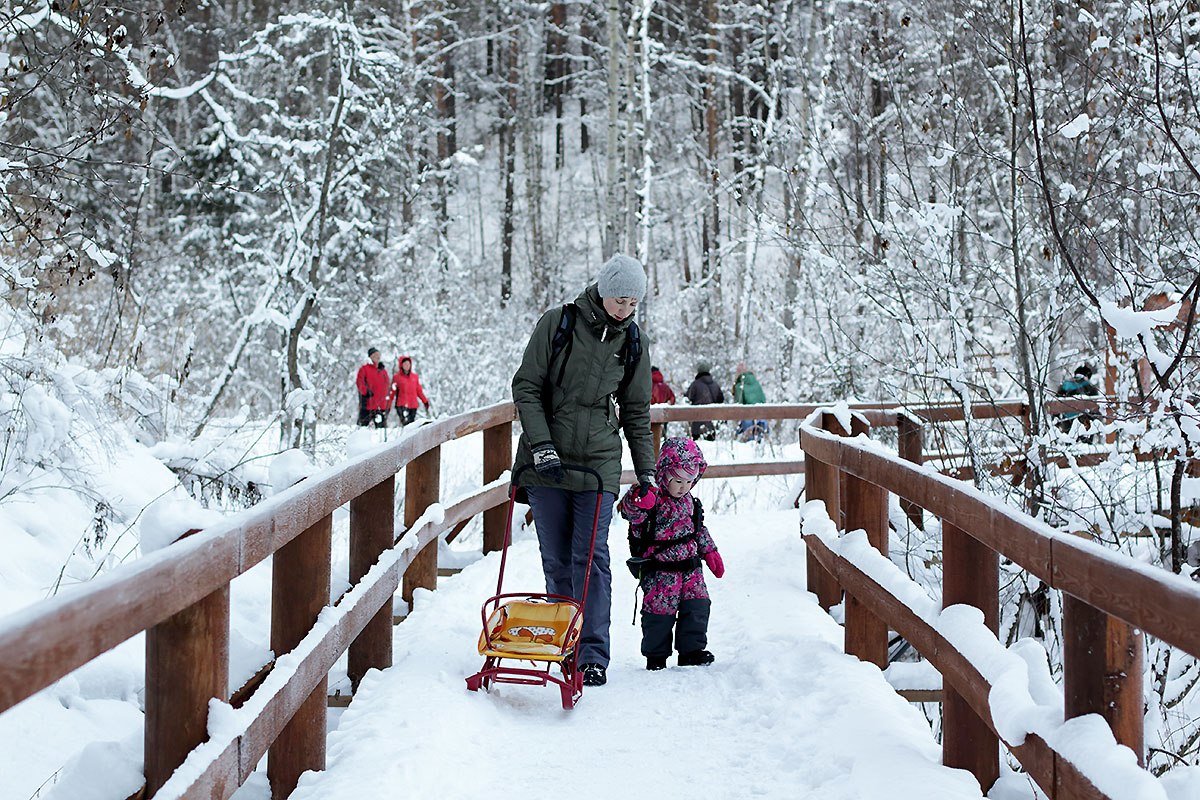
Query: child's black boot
{"points": [[654, 663], [696, 658]]}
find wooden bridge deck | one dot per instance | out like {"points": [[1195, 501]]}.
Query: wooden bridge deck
{"points": [[784, 713]]}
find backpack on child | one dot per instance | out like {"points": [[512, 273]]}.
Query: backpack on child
{"points": [[641, 541]]}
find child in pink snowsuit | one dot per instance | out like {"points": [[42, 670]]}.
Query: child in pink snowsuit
{"points": [[669, 541]]}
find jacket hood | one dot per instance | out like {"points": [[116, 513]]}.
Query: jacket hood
{"points": [[679, 455], [591, 311], [400, 363]]}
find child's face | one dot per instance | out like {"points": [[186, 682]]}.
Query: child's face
{"points": [[679, 486]]}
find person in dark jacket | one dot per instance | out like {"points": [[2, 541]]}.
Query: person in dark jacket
{"points": [[704, 391], [407, 391], [374, 398], [573, 404], [660, 392]]}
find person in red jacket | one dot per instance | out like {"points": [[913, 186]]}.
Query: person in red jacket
{"points": [[406, 388], [374, 399], [660, 392]]}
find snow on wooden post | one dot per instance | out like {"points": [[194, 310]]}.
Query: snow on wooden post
{"points": [[1102, 671], [971, 576], [422, 482], [911, 442], [187, 665], [372, 531], [865, 507], [299, 590], [822, 482], [497, 457]]}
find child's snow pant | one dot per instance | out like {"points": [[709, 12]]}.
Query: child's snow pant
{"points": [[690, 625]]}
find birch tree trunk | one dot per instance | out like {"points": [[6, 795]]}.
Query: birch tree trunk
{"points": [[612, 210]]}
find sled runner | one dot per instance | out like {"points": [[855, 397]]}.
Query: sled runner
{"points": [[540, 628]]}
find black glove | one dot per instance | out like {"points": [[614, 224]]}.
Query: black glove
{"points": [[547, 462], [645, 483]]}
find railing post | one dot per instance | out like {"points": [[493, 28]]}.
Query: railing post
{"points": [[372, 531], [1103, 662], [911, 442], [822, 482], [299, 590], [866, 508], [187, 665], [658, 431], [971, 576], [422, 481], [497, 457]]}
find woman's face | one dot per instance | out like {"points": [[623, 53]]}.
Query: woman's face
{"points": [[620, 308]]}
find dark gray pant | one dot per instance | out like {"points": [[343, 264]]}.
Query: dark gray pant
{"points": [[690, 624], [564, 530]]}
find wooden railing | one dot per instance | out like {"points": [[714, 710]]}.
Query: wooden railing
{"points": [[1108, 601], [180, 595]]}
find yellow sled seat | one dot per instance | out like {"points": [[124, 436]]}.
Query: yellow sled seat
{"points": [[531, 631]]}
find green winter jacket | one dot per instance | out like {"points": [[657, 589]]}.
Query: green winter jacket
{"points": [[747, 390], [585, 419]]}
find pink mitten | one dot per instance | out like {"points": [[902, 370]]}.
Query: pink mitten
{"points": [[713, 559], [645, 497]]}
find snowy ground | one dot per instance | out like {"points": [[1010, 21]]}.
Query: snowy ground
{"points": [[783, 713]]}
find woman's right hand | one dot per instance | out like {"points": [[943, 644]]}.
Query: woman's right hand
{"points": [[645, 496]]}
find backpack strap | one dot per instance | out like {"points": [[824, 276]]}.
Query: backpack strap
{"points": [[563, 339], [641, 537], [631, 354]]}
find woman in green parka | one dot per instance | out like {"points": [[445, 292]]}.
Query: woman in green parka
{"points": [[573, 401]]}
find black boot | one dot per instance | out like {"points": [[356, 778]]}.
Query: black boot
{"points": [[594, 675], [696, 658], [655, 663]]}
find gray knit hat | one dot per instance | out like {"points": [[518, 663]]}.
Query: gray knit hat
{"points": [[622, 276]]}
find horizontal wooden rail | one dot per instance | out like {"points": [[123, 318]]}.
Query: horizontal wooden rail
{"points": [[744, 470], [1108, 600], [218, 767], [1159, 602], [714, 412], [1051, 772], [46, 641]]}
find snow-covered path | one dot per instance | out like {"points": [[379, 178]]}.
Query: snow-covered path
{"points": [[783, 713]]}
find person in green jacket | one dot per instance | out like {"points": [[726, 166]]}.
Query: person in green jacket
{"points": [[573, 401], [748, 391]]}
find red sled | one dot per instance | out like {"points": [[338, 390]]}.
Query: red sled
{"points": [[540, 628]]}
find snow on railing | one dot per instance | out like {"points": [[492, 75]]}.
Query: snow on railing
{"points": [[1084, 743]]}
